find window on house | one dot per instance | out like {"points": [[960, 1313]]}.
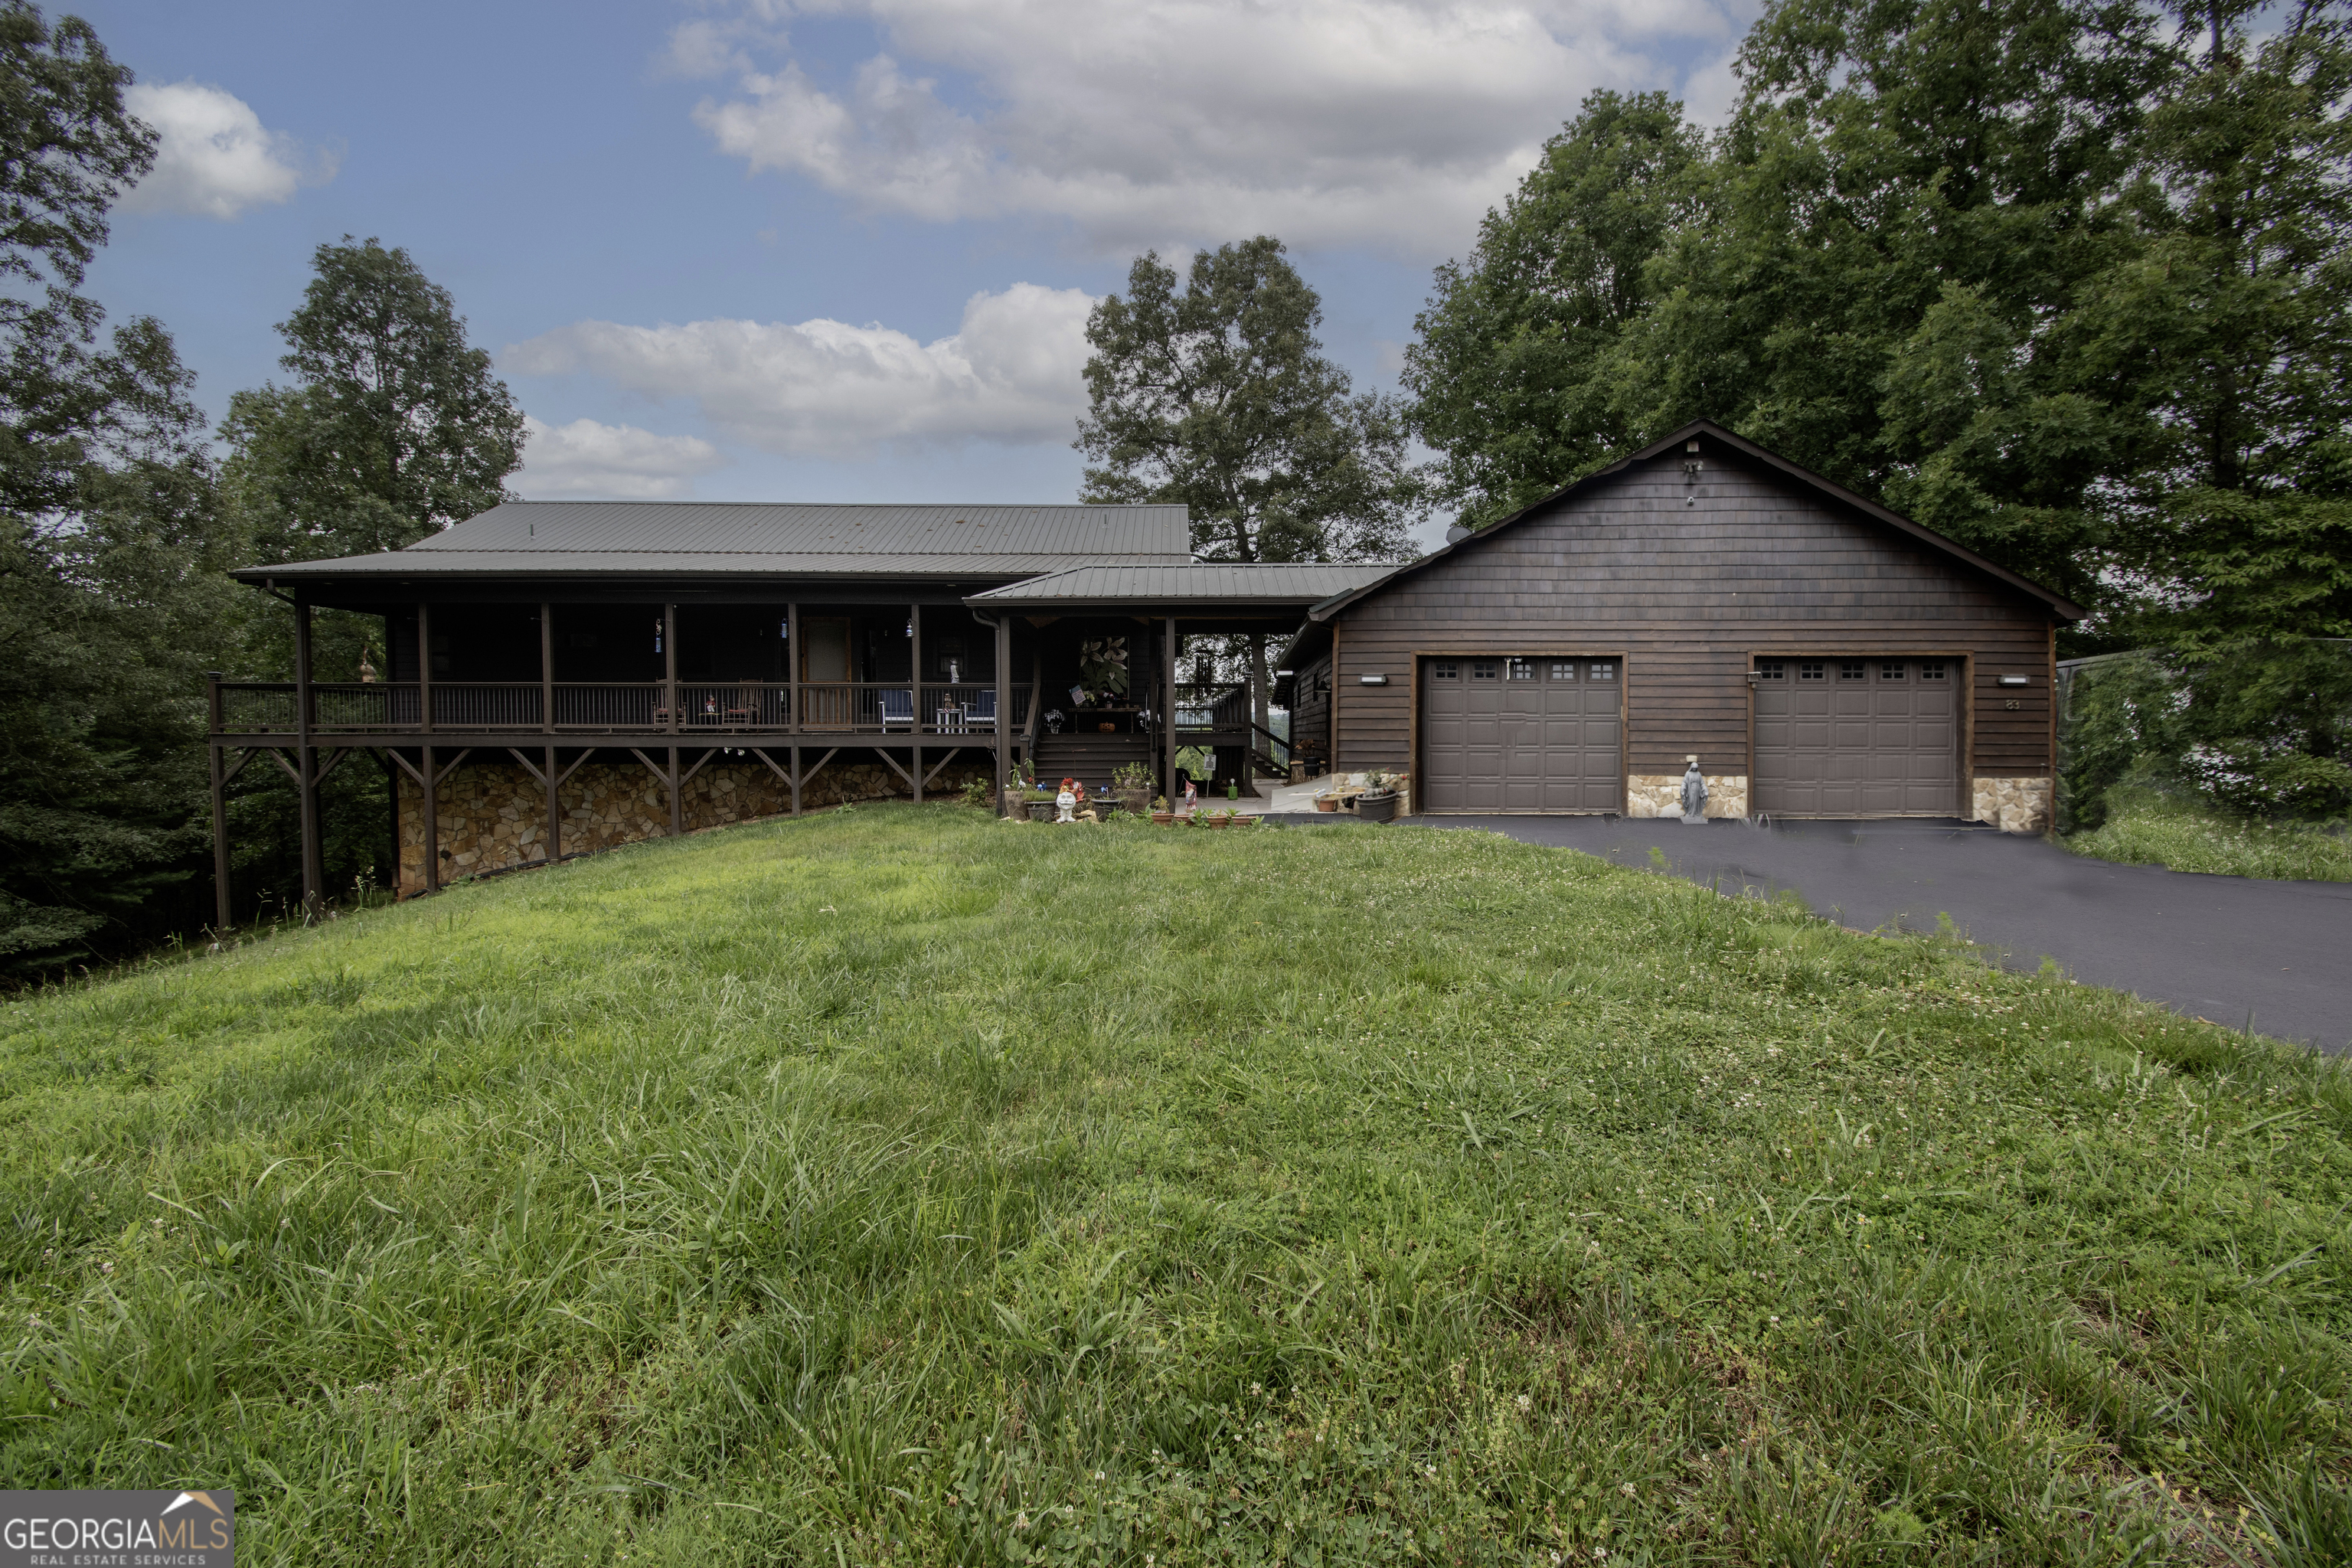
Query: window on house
{"points": [[1485, 670], [1771, 670], [1811, 670], [1563, 669], [1891, 669], [1851, 670], [1521, 669], [1931, 669], [1445, 669], [1605, 670]]}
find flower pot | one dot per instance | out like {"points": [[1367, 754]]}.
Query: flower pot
{"points": [[1381, 807], [1162, 818], [1221, 821], [1327, 803]]}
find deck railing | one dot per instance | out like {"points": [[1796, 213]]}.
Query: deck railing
{"points": [[1211, 707], [639, 708]]}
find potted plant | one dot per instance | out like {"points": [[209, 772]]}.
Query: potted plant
{"points": [[1161, 815], [1379, 800], [1327, 801], [1132, 783], [1220, 818]]}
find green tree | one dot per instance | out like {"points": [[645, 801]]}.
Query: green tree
{"points": [[1218, 395], [1512, 377], [111, 601], [394, 427], [2228, 340]]}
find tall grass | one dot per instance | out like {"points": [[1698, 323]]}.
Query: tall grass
{"points": [[2146, 829], [894, 1187]]}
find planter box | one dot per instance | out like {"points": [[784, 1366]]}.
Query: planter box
{"points": [[1040, 811]]}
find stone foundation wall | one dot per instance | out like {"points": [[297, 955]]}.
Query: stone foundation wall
{"points": [[493, 815], [2014, 804], [1661, 794]]}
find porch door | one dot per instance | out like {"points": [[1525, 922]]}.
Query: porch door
{"points": [[825, 672]]}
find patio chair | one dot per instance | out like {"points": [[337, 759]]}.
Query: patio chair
{"points": [[898, 707], [980, 713]]}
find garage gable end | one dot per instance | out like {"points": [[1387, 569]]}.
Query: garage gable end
{"points": [[1723, 484]]}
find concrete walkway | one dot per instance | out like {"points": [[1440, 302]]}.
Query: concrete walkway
{"points": [[2224, 948]]}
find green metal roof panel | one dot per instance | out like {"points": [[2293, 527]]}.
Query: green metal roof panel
{"points": [[797, 538], [1200, 582]]}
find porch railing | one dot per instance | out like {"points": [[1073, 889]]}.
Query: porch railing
{"points": [[1200, 709], [877, 707]]}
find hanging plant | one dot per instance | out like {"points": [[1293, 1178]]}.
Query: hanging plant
{"points": [[1102, 663]]}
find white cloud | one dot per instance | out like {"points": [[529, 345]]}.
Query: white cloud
{"points": [[612, 462], [215, 158], [1011, 374], [1168, 121]]}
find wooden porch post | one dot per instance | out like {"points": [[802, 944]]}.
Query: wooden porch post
{"points": [[314, 873], [425, 667], [669, 670], [792, 693], [547, 667], [1167, 716], [676, 806], [915, 692], [220, 828], [547, 717], [430, 788], [1004, 705]]}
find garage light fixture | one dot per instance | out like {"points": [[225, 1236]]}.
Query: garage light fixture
{"points": [[1372, 680], [2017, 680]]}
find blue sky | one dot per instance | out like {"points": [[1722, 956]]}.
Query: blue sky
{"points": [[835, 249]]}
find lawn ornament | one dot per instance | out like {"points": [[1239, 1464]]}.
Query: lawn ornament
{"points": [[1693, 796]]}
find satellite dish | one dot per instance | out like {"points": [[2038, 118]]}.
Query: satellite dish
{"points": [[1457, 533]]}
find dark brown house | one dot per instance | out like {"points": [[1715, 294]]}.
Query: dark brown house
{"points": [[1818, 654], [564, 677], [561, 677]]}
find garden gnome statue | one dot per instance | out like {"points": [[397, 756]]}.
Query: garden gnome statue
{"points": [[1693, 796], [1066, 804]]}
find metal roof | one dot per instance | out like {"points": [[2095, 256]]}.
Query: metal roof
{"points": [[602, 537], [1226, 582]]}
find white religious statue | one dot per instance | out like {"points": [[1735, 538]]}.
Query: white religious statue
{"points": [[1693, 796], [1066, 804]]}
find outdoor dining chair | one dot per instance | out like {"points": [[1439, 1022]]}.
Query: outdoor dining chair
{"points": [[980, 713], [898, 707]]}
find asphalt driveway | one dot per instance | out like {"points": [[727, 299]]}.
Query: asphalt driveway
{"points": [[2224, 948]]}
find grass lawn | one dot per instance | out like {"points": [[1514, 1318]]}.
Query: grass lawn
{"points": [[898, 1187], [2146, 830]]}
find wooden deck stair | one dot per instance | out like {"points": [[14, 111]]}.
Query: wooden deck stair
{"points": [[1089, 759]]}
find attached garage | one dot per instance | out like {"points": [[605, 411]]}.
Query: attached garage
{"points": [[1819, 655], [1521, 733], [1857, 737]]}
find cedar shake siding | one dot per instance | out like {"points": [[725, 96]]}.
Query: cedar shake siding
{"points": [[1688, 575]]}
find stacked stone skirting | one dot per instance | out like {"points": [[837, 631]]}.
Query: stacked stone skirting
{"points": [[1661, 794], [493, 815], [2012, 804]]}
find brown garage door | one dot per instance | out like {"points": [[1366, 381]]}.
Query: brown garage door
{"points": [[1858, 737], [1520, 735]]}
